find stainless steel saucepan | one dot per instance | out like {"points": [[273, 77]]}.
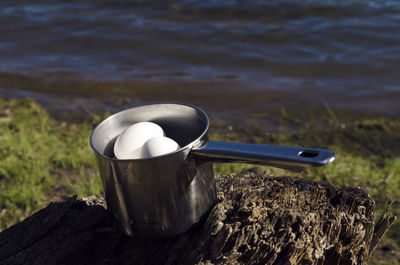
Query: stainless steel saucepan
{"points": [[163, 196]]}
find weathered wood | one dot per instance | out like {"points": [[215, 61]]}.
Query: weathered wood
{"points": [[258, 220]]}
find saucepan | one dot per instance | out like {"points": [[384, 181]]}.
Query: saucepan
{"points": [[165, 195]]}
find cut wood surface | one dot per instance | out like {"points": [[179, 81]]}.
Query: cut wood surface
{"points": [[258, 220]]}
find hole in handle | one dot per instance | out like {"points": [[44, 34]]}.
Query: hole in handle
{"points": [[309, 153]]}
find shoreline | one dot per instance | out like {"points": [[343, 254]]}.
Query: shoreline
{"points": [[66, 97], [223, 113], [81, 109]]}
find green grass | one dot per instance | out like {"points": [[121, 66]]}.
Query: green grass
{"points": [[44, 159], [40, 159]]}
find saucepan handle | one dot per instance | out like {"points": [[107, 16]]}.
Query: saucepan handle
{"points": [[286, 157]]}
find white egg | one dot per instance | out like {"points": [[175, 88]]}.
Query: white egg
{"points": [[130, 141], [157, 146]]}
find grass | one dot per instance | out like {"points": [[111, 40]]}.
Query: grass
{"points": [[41, 159], [44, 159]]}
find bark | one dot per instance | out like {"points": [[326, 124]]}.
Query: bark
{"points": [[258, 220]]}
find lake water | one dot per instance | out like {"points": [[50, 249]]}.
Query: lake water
{"points": [[230, 57]]}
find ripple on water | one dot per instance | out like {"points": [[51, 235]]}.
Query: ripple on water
{"points": [[345, 47]]}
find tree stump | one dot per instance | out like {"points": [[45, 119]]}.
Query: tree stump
{"points": [[258, 220]]}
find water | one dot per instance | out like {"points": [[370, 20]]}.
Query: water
{"points": [[232, 56]]}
